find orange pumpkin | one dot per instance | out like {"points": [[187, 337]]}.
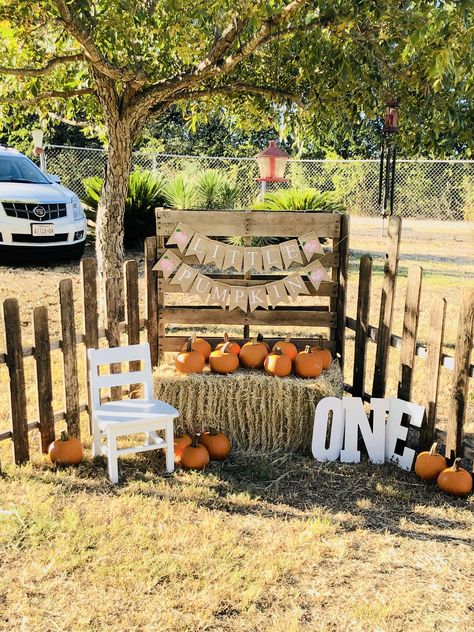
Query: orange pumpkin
{"points": [[224, 360], [253, 354], [180, 443], [216, 443], [277, 363], [66, 450], [287, 347], [324, 354], [194, 456], [455, 480], [234, 346], [203, 347], [307, 363], [429, 465], [189, 361]]}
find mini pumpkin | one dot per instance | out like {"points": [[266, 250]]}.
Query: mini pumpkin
{"points": [[307, 364], [234, 346], [189, 360], [324, 354], [429, 465], [287, 347], [277, 363], [180, 443], [66, 450], [260, 339], [455, 480], [216, 443], [195, 456], [203, 347], [253, 354], [224, 360]]}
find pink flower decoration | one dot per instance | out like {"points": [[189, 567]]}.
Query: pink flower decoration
{"points": [[181, 238], [166, 265], [311, 246], [317, 275]]}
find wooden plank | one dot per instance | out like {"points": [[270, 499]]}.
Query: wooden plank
{"points": [[176, 343], [151, 286], [459, 389], [68, 347], [329, 259], [160, 304], [327, 288], [362, 320], [386, 307], [133, 316], [432, 372], [91, 316], [202, 315], [250, 223], [112, 332], [343, 274], [11, 315], [409, 333], [44, 382]]}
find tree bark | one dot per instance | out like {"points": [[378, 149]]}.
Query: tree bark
{"points": [[111, 209]]}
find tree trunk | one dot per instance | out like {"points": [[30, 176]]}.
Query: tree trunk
{"points": [[110, 215]]}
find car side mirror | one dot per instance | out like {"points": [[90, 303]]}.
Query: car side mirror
{"points": [[55, 179]]}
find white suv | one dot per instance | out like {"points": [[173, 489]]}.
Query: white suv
{"points": [[36, 212]]}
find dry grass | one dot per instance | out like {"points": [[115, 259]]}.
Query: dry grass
{"points": [[259, 543], [259, 412]]}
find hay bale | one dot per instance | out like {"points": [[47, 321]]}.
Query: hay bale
{"points": [[259, 413]]}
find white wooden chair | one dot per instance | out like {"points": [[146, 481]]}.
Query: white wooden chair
{"points": [[129, 416]]}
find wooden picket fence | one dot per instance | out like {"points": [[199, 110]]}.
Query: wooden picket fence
{"points": [[73, 342]]}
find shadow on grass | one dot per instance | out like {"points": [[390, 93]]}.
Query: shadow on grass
{"points": [[381, 499]]}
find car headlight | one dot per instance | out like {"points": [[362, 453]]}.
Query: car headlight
{"points": [[77, 210]]}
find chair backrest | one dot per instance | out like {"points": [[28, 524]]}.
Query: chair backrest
{"points": [[99, 357]]}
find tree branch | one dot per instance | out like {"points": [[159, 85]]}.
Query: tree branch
{"points": [[43, 96], [240, 88], [224, 42], [160, 91], [93, 54], [37, 72], [63, 119]]}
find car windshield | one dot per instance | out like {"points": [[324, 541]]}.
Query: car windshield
{"points": [[20, 169]]}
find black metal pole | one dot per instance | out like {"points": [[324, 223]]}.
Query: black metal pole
{"points": [[387, 177], [392, 183], [382, 150]]}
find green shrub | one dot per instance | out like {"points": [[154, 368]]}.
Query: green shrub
{"points": [[145, 193], [209, 189], [300, 200]]}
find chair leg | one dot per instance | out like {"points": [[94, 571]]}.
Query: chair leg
{"points": [[112, 461], [169, 438], [96, 441]]}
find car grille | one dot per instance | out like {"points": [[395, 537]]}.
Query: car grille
{"points": [[32, 239], [26, 211]]}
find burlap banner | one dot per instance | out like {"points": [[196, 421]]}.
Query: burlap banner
{"points": [[243, 259]]}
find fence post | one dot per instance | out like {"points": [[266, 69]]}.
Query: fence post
{"points": [[132, 316], [42, 354], [457, 408], [362, 326], [151, 298], [410, 329], [343, 273], [68, 346], [11, 314], [386, 307], [112, 329], [433, 365], [91, 317]]}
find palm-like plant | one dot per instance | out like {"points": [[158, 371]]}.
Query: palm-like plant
{"points": [[300, 200], [145, 193], [209, 189], [180, 193]]}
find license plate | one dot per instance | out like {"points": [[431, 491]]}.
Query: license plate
{"points": [[42, 230]]}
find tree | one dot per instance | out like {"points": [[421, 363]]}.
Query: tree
{"points": [[299, 62]]}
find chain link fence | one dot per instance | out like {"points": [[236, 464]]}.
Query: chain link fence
{"points": [[425, 189]]}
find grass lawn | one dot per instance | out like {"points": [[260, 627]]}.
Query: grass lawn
{"points": [[260, 543], [272, 543]]}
